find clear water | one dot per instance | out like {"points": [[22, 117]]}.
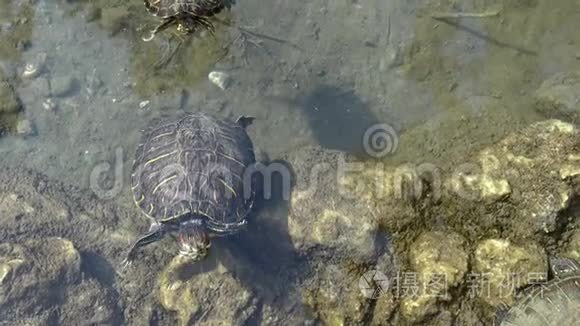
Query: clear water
{"points": [[341, 67]]}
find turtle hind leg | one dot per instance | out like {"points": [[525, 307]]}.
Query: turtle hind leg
{"points": [[164, 25]]}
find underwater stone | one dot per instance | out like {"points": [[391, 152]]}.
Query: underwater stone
{"points": [[61, 86], [321, 218], [183, 288], [335, 297], [9, 102], [339, 229], [388, 192], [440, 262], [24, 127], [439, 253], [573, 247], [89, 302], [35, 67], [44, 267], [220, 79], [559, 97], [507, 267], [532, 167]]}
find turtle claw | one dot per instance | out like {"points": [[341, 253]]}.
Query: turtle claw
{"points": [[126, 263]]}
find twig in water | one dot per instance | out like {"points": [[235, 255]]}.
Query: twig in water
{"points": [[448, 15]]}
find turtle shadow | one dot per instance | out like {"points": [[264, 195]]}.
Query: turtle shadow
{"points": [[263, 256], [338, 118]]}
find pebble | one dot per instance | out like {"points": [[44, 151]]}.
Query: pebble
{"points": [[144, 104], [220, 79], [49, 104], [35, 67], [24, 127]]}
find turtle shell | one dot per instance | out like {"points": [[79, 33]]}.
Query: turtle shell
{"points": [[194, 164], [556, 302], [203, 8]]}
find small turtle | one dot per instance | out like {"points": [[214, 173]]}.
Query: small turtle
{"points": [[189, 176], [556, 302], [188, 15]]}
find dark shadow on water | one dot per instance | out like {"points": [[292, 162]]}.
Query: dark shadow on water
{"points": [[263, 257], [338, 118], [98, 267]]}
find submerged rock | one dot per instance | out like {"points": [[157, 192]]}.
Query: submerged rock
{"points": [[40, 219], [439, 261], [524, 180], [501, 268], [573, 247], [62, 86], [321, 217], [35, 276], [24, 127], [210, 298], [391, 193], [559, 97], [91, 303], [335, 297], [10, 104]]}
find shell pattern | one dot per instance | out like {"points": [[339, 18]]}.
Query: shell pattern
{"points": [[556, 302], [201, 8], [194, 164]]}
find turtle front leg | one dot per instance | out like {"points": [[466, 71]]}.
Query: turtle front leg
{"points": [[156, 232], [165, 24]]}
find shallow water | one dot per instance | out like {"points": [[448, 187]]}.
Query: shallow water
{"points": [[330, 70]]}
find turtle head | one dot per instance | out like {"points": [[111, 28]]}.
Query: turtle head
{"points": [[193, 239]]}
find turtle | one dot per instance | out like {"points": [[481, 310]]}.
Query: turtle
{"points": [[188, 15], [189, 176], [556, 302]]}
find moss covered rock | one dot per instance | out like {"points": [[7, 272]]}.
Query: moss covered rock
{"points": [[501, 268], [35, 275], [335, 297], [559, 96], [324, 218], [439, 263], [211, 298], [522, 183], [10, 105], [572, 250]]}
